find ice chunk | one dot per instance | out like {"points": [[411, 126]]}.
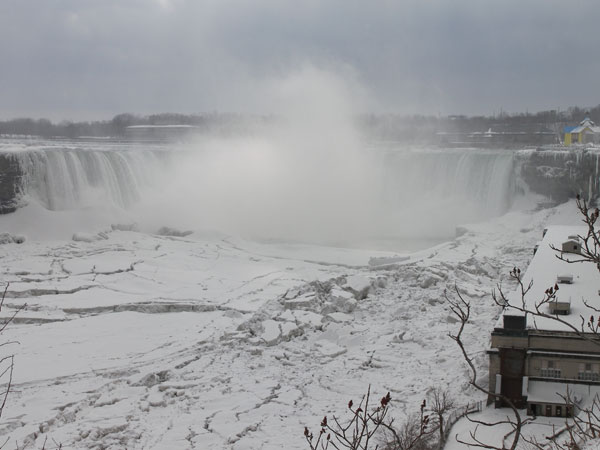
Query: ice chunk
{"points": [[272, 333], [168, 231], [6, 238], [304, 301], [358, 285], [89, 237], [156, 399], [343, 301], [125, 227], [330, 349], [339, 317], [386, 261]]}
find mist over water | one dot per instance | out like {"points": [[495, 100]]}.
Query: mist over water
{"points": [[308, 179], [315, 179], [311, 178]]}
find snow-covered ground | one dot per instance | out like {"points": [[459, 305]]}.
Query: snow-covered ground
{"points": [[134, 340]]}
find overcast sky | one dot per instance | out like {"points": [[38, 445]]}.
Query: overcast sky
{"points": [[88, 59]]}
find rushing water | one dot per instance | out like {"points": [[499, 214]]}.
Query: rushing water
{"points": [[484, 181], [420, 194]]}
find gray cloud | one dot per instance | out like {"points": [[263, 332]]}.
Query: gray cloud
{"points": [[73, 59]]}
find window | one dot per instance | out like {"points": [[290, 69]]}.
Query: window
{"points": [[558, 411], [588, 372], [550, 372], [550, 369], [588, 375]]}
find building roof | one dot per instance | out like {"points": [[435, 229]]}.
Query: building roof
{"points": [[544, 270], [581, 128], [585, 124]]}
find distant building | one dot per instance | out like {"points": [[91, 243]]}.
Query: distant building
{"points": [[535, 361], [159, 132], [585, 133], [496, 139]]}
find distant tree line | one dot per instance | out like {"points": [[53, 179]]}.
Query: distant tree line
{"points": [[419, 128], [116, 127], [416, 128]]}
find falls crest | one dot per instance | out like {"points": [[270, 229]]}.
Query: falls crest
{"points": [[401, 193], [74, 178], [478, 183]]}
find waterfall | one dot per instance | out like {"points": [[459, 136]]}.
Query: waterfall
{"points": [[261, 190], [72, 178], [483, 182], [425, 192]]}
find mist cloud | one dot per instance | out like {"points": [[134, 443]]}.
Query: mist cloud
{"points": [[307, 179]]}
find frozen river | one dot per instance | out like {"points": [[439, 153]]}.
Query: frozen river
{"points": [[145, 341]]}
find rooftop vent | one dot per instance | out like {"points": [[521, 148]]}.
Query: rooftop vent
{"points": [[515, 322], [564, 279], [571, 246], [560, 308]]}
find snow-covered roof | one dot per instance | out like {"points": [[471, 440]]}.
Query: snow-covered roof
{"points": [[586, 123], [544, 270], [553, 392], [581, 128]]}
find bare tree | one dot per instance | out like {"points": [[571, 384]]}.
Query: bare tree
{"points": [[417, 432], [590, 241], [7, 362], [441, 404], [462, 310], [360, 430]]}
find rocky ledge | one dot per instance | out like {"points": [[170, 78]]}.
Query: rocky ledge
{"points": [[10, 183]]}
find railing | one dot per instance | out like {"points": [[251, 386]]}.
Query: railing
{"points": [[548, 372], [458, 414], [588, 375]]}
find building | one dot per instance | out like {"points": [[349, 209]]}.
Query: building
{"points": [[497, 139], [535, 361], [160, 132], [585, 133]]}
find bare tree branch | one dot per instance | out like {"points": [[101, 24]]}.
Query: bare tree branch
{"points": [[462, 310]]}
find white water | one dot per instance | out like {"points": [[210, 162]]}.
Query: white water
{"points": [[485, 179], [261, 189], [63, 179], [449, 186]]}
